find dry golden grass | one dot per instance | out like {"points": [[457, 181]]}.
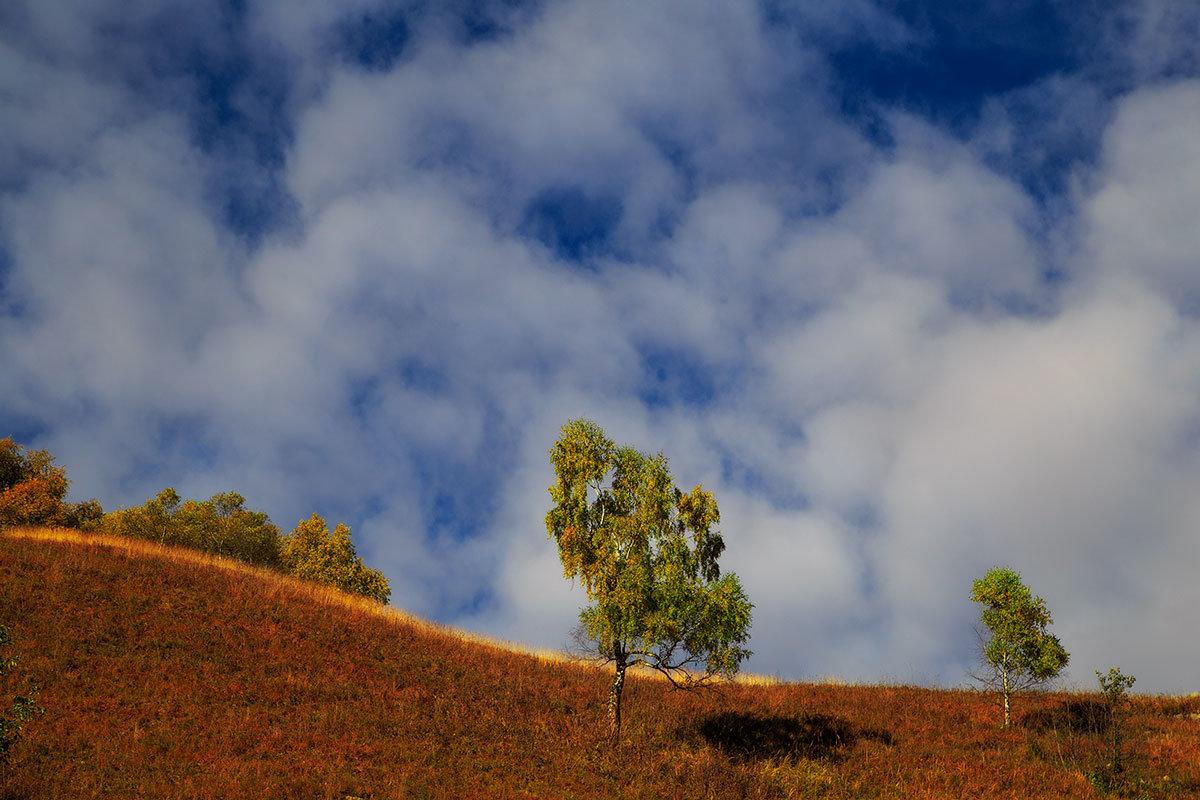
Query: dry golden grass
{"points": [[318, 593], [330, 596], [173, 674]]}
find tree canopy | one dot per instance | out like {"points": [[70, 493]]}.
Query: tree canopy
{"points": [[220, 525], [647, 555]]}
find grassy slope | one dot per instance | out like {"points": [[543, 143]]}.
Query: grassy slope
{"points": [[169, 674]]}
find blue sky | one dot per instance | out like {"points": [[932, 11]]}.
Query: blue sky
{"points": [[912, 287]]}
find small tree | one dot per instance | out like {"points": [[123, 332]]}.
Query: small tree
{"points": [[1115, 686], [311, 552], [33, 490], [1018, 651], [20, 710], [221, 525], [646, 554], [153, 521]]}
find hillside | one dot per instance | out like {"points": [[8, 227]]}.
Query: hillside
{"points": [[168, 674]]}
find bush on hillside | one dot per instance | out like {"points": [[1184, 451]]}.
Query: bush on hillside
{"points": [[311, 552], [85, 516], [33, 491], [220, 525], [20, 710]]}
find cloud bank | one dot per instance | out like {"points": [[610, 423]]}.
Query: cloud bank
{"points": [[907, 314]]}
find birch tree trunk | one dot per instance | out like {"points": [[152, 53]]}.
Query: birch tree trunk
{"points": [[614, 700], [1007, 692]]}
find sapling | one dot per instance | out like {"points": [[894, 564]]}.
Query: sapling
{"points": [[1115, 686], [1018, 650]]}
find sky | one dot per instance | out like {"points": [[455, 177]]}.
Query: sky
{"points": [[913, 288]]}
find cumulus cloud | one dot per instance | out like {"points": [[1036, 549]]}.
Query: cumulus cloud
{"points": [[366, 261], [1141, 217]]}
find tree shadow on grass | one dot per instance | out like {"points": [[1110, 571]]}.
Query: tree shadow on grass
{"points": [[747, 736], [1071, 716]]}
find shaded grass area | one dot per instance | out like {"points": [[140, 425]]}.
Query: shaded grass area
{"points": [[164, 676], [750, 736]]}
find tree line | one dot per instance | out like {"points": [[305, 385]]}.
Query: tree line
{"points": [[33, 493]]}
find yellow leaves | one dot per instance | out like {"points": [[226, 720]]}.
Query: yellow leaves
{"points": [[622, 528], [311, 552], [698, 509]]}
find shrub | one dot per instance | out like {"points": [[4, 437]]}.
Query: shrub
{"points": [[33, 490], [311, 552], [12, 463], [35, 501], [1115, 687], [223, 526], [220, 525], [153, 521], [22, 708], [85, 516]]}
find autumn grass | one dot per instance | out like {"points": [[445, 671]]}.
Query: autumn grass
{"points": [[174, 674], [327, 595]]}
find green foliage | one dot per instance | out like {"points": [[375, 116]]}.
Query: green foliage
{"points": [[1115, 686], [223, 526], [12, 463], [33, 491], [85, 516], [154, 521], [1018, 650], [311, 552], [646, 554], [220, 525], [22, 708]]}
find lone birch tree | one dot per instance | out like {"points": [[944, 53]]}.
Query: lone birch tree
{"points": [[1019, 652], [646, 554]]}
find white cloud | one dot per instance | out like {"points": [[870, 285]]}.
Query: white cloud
{"points": [[802, 572], [1141, 217], [1052, 446], [53, 112], [91, 247], [936, 212]]}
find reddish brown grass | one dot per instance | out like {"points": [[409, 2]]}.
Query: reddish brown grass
{"points": [[170, 674]]}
